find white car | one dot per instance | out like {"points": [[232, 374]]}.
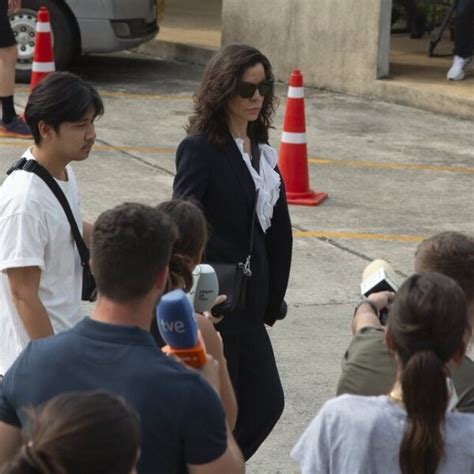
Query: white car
{"points": [[83, 26]]}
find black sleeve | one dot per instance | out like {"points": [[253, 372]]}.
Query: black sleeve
{"points": [[279, 243], [192, 170]]}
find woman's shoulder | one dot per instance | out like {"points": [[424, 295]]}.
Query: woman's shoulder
{"points": [[196, 140]]}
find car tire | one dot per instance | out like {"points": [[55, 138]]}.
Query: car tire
{"points": [[65, 35]]}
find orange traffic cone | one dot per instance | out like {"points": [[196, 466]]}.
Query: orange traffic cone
{"points": [[293, 162], [43, 60]]}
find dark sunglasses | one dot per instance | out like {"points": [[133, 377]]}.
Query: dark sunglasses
{"points": [[247, 89]]}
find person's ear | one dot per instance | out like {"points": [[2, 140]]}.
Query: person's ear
{"points": [[45, 130], [389, 341]]}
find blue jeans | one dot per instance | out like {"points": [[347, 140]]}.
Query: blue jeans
{"points": [[464, 28]]}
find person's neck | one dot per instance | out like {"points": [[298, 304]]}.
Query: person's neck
{"points": [[53, 163], [238, 128], [396, 394], [134, 313]]}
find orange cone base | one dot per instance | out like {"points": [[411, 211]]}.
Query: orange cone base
{"points": [[309, 198]]}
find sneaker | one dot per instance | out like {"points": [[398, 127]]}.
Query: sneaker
{"points": [[456, 73], [17, 128]]}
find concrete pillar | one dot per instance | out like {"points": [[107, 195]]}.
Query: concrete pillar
{"points": [[341, 45]]}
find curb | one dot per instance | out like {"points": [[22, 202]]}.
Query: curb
{"points": [[168, 50]]}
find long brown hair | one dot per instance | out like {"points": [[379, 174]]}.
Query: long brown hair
{"points": [[76, 432], [219, 84], [192, 238], [427, 326]]}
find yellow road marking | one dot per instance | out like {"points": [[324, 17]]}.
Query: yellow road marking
{"points": [[99, 147], [315, 161], [142, 149], [390, 166], [128, 95], [359, 236]]}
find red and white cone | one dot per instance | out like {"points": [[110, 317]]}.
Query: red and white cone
{"points": [[43, 60], [293, 161]]}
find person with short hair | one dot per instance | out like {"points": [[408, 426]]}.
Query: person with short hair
{"points": [[41, 272], [368, 367], [412, 429], [228, 166], [92, 432], [11, 125], [182, 419]]}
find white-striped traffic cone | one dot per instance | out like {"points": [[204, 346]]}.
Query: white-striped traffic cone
{"points": [[293, 161], [43, 60]]}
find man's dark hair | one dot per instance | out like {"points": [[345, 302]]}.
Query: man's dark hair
{"points": [[131, 245], [60, 97], [452, 254]]}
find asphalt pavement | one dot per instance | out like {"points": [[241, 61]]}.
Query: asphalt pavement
{"points": [[394, 176]]}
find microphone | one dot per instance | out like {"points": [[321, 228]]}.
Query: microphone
{"points": [[178, 328], [378, 276], [205, 288]]}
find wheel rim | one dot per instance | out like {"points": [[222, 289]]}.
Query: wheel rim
{"points": [[23, 24]]}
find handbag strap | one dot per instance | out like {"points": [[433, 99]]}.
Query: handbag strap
{"points": [[33, 166], [256, 164]]}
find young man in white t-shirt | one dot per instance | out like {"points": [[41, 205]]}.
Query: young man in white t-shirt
{"points": [[41, 272]]}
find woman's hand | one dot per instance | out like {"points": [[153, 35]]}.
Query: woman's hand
{"points": [[216, 319]]}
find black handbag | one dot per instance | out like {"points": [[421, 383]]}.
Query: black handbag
{"points": [[89, 290], [233, 277]]}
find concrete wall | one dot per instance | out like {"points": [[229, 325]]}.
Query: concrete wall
{"points": [[341, 45]]}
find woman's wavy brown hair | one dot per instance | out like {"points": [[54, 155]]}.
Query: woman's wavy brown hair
{"points": [[219, 84], [192, 238], [428, 325]]}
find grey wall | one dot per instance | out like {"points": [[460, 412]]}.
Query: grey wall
{"points": [[334, 42]]}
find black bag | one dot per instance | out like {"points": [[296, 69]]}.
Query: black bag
{"points": [[233, 277], [89, 290]]}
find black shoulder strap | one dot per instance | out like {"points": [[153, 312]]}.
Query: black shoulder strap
{"points": [[34, 167]]}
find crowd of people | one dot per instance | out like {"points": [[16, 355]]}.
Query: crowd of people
{"points": [[97, 394]]}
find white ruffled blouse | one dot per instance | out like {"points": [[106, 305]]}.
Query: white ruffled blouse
{"points": [[267, 183]]}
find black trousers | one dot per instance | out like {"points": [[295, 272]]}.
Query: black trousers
{"points": [[254, 374], [464, 28]]}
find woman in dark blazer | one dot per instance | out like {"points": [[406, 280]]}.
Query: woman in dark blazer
{"points": [[233, 109]]}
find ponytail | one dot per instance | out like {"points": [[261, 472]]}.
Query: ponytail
{"points": [[29, 461], [180, 274], [425, 396]]}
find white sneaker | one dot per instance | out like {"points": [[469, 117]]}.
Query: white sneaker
{"points": [[456, 73]]}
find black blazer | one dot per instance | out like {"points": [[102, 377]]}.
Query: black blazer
{"points": [[220, 180]]}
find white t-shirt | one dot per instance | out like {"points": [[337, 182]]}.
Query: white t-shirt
{"points": [[362, 435], [34, 231]]}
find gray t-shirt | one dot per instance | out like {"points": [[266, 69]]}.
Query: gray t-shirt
{"points": [[359, 434]]}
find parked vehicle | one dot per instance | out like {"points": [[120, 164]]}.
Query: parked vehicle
{"points": [[83, 26]]}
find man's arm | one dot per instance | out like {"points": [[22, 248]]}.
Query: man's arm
{"points": [[87, 232], [10, 441], [24, 287], [365, 315], [231, 461]]}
